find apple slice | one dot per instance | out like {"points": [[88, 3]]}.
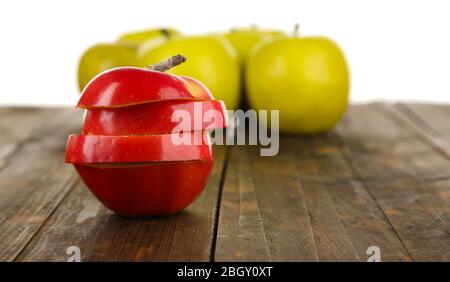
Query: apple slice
{"points": [[126, 86], [156, 118], [91, 149], [156, 189]]}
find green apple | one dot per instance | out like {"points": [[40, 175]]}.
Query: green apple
{"points": [[101, 57], [210, 59], [244, 39], [307, 79], [138, 37]]}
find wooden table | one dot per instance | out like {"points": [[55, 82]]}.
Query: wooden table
{"points": [[382, 178]]}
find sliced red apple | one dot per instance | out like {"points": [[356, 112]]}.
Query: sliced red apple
{"points": [[91, 149], [156, 118], [127, 86]]}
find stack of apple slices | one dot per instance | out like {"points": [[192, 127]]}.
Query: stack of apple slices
{"points": [[144, 148]]}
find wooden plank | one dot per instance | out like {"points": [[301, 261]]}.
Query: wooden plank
{"points": [[18, 125], [308, 186], [263, 216], [34, 178], [345, 218], [103, 236], [431, 121], [406, 176], [436, 116], [8, 112]]}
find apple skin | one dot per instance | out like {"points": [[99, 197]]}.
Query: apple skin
{"points": [[147, 190], [102, 57], [211, 59], [152, 118], [122, 87], [138, 37], [244, 39], [96, 149], [307, 79]]}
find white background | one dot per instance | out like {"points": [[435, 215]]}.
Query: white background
{"points": [[396, 49]]}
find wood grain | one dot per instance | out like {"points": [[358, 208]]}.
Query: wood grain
{"points": [[346, 220], [406, 175], [431, 121], [33, 178], [21, 125], [103, 236], [306, 203], [263, 216], [435, 116]]}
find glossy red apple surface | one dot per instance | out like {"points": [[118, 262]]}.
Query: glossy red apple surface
{"points": [[127, 86], [155, 118], [147, 189], [91, 149]]}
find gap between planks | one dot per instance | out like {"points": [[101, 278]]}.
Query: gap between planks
{"points": [[219, 199]]}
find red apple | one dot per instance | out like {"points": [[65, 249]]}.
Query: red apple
{"points": [[153, 118], [127, 86], [92, 149], [131, 155], [143, 190]]}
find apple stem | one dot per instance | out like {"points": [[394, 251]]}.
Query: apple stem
{"points": [[296, 29], [168, 64], [165, 32]]}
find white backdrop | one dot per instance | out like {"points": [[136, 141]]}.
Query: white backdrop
{"points": [[396, 49]]}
